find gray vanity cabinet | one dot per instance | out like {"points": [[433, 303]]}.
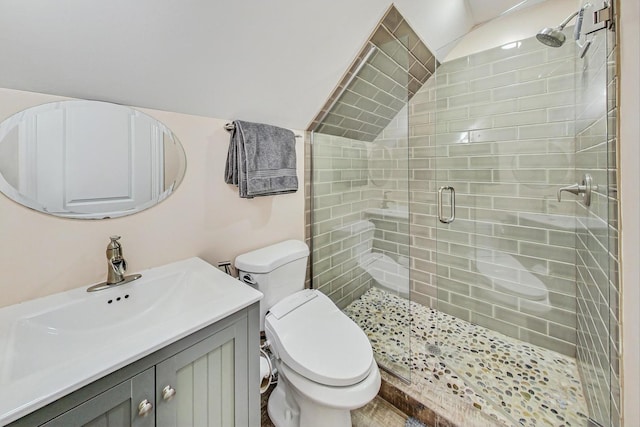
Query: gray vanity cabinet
{"points": [[209, 378], [116, 407], [197, 387]]}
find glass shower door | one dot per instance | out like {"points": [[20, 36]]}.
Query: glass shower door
{"points": [[508, 250]]}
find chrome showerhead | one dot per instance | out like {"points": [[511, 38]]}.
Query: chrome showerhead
{"points": [[553, 37]]}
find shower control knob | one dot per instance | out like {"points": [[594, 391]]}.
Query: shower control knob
{"points": [[585, 188], [168, 392]]}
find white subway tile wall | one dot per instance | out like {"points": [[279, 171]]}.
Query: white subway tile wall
{"points": [[340, 196], [507, 129], [498, 127], [352, 181], [372, 93]]}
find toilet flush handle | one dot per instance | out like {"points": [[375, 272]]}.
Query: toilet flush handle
{"points": [[246, 278]]}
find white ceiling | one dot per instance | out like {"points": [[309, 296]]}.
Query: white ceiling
{"points": [[485, 10], [271, 61]]}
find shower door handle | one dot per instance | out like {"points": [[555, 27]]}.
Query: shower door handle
{"points": [[452, 203]]}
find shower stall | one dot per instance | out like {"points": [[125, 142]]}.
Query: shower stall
{"points": [[464, 214]]}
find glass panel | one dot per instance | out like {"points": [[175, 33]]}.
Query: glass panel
{"points": [[506, 266], [597, 259], [360, 210]]}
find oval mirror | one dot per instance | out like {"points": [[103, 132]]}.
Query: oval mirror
{"points": [[88, 159]]}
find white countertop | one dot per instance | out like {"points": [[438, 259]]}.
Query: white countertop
{"points": [[52, 346]]}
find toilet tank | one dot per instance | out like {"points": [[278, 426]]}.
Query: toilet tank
{"points": [[277, 271]]}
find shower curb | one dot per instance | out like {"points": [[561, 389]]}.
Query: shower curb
{"points": [[412, 407], [430, 409]]}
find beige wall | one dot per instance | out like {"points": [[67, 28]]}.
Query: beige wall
{"points": [[43, 254], [629, 92]]}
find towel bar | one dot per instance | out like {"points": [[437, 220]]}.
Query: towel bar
{"points": [[230, 126]]}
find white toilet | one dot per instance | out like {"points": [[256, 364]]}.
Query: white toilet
{"points": [[324, 360]]}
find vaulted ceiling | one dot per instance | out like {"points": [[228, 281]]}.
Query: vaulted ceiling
{"points": [[486, 10], [272, 61]]}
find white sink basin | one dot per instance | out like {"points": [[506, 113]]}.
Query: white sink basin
{"points": [[54, 345]]}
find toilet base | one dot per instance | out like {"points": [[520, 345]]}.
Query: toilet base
{"points": [[288, 408], [281, 412]]}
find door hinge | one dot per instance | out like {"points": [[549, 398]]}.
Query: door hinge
{"points": [[602, 18]]}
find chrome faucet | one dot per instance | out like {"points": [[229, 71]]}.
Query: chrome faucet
{"points": [[116, 267]]}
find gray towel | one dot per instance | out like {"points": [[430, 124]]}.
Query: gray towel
{"points": [[261, 160]]}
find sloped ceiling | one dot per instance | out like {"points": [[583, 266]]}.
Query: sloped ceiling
{"points": [[484, 10], [270, 61]]}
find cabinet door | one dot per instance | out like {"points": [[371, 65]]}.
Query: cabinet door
{"points": [[116, 407], [209, 380]]}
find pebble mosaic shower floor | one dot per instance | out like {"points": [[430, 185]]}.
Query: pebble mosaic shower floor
{"points": [[507, 380]]}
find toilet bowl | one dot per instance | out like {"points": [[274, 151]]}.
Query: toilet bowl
{"points": [[324, 360]]}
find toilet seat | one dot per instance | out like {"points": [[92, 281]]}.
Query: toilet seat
{"points": [[354, 396], [317, 341]]}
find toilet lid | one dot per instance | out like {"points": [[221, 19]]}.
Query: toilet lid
{"points": [[313, 337]]}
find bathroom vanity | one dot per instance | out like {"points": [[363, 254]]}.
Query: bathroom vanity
{"points": [[187, 355]]}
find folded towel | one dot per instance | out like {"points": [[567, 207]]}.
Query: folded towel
{"points": [[261, 160]]}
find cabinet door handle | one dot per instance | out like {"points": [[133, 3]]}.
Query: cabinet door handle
{"points": [[168, 392], [144, 408]]}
